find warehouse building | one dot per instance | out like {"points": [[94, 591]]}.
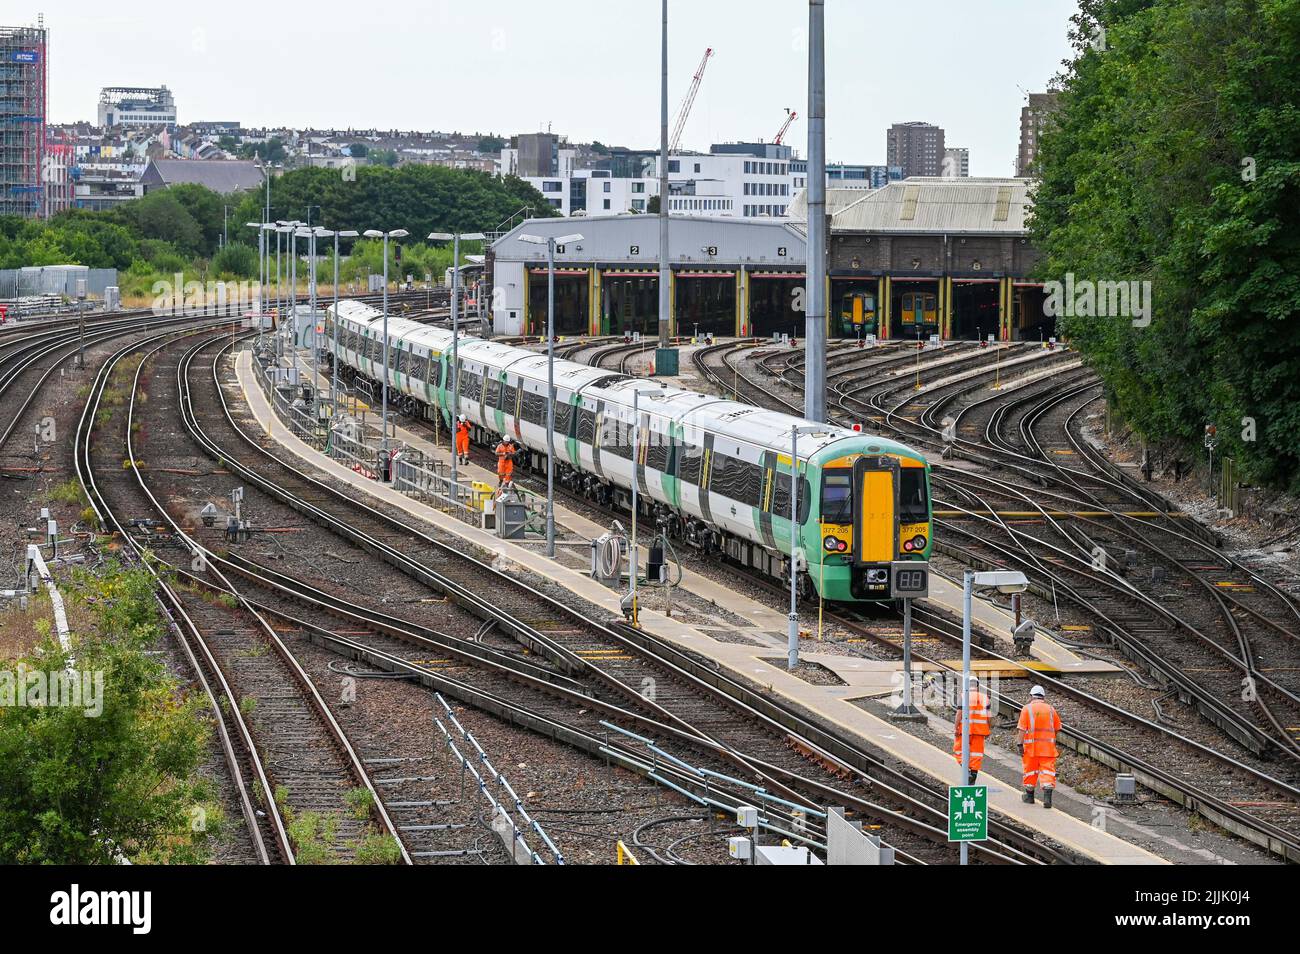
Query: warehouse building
{"points": [[940, 256], [917, 257], [728, 276]]}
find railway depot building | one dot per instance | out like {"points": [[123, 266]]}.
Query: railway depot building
{"points": [[917, 257], [728, 276], [944, 256]]}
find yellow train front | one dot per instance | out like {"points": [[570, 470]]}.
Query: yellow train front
{"points": [[869, 534]]}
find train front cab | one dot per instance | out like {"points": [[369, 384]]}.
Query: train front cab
{"points": [[874, 509]]}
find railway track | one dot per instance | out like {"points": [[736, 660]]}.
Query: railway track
{"points": [[285, 751], [615, 662], [1239, 794]]}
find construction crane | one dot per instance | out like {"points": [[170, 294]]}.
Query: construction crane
{"points": [[790, 116], [685, 109]]}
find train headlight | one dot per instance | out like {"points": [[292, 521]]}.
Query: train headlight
{"points": [[907, 545], [831, 544], [918, 542]]}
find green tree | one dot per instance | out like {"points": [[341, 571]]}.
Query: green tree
{"points": [[358, 150], [161, 215], [82, 789], [1173, 159]]}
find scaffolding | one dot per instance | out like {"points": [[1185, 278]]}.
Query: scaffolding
{"points": [[23, 66]]}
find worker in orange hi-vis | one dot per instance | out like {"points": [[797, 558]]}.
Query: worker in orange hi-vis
{"points": [[980, 719], [462, 440], [505, 452], [1039, 723]]}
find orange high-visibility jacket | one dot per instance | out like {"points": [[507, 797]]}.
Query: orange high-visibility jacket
{"points": [[1039, 723], [979, 715], [505, 459], [462, 436]]}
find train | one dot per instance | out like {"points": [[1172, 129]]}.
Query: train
{"points": [[858, 315], [919, 313], [712, 472]]}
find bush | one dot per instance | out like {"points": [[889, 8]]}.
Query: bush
{"points": [[237, 260], [86, 790]]}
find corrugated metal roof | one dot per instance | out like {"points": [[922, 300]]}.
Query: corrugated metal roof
{"points": [[922, 204], [634, 240], [837, 197]]}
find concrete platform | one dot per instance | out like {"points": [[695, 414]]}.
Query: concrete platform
{"points": [[833, 704]]}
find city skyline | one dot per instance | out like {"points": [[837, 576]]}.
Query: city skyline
{"points": [[209, 64]]}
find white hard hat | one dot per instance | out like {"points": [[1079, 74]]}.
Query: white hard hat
{"points": [[974, 680], [462, 417], [1037, 691]]}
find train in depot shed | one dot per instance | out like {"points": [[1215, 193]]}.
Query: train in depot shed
{"points": [[713, 472]]}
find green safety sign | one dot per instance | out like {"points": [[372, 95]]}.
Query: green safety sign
{"points": [[968, 813]]}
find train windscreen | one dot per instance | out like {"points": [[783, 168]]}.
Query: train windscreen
{"points": [[913, 501], [837, 495]]}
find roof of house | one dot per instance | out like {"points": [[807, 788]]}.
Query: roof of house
{"points": [[219, 175]]}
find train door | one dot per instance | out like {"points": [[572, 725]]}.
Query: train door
{"points": [[875, 525]]}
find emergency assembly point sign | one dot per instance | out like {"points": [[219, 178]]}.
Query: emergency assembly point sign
{"points": [[968, 813]]}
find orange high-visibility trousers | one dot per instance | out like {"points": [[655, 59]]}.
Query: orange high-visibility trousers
{"points": [[976, 750], [1039, 770]]}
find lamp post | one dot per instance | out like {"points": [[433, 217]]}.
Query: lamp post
{"points": [[455, 337], [290, 297], [334, 343], [261, 260], [792, 637], [316, 232], [395, 234], [279, 312], [1004, 581], [550, 242]]}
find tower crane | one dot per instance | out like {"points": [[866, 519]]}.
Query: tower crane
{"points": [[790, 116], [685, 109]]}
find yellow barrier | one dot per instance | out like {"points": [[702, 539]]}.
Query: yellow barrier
{"points": [[625, 856], [480, 493]]}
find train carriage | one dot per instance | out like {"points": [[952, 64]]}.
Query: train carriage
{"points": [[715, 472]]}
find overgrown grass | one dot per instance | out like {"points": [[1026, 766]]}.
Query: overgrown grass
{"points": [[377, 849], [70, 492], [360, 801]]}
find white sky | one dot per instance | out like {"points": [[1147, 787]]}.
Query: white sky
{"points": [[590, 68]]}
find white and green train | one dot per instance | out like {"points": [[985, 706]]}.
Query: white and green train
{"points": [[711, 471]]}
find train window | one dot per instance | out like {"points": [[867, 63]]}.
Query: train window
{"points": [[781, 497], [913, 501], [509, 397], [837, 495], [493, 392], [399, 360], [586, 426], [689, 459], [534, 409], [563, 418], [656, 454], [419, 368], [616, 438], [736, 479]]}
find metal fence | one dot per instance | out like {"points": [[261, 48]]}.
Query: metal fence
{"points": [[358, 443], [61, 280]]}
